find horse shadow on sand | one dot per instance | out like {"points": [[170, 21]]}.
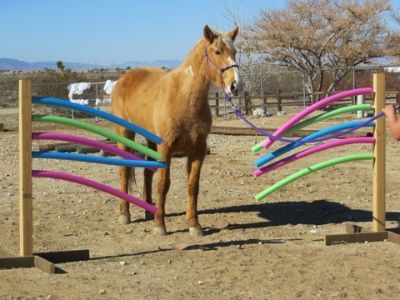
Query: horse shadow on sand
{"points": [[318, 212]]}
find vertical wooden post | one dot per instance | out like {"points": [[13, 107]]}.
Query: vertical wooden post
{"points": [[25, 168], [378, 193], [279, 100], [247, 103], [216, 104], [265, 104]]}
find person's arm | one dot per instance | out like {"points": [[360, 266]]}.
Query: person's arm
{"points": [[394, 122]]}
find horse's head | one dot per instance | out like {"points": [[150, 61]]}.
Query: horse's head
{"points": [[220, 54]]}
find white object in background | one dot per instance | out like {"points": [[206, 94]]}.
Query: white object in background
{"points": [[102, 101], [77, 89], [80, 101], [392, 69], [360, 100], [258, 112], [108, 86]]}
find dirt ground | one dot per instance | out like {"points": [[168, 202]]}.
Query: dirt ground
{"points": [[268, 250]]}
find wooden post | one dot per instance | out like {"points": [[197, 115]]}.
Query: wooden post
{"points": [[265, 104], [279, 100], [247, 103], [25, 168], [216, 104], [378, 189]]}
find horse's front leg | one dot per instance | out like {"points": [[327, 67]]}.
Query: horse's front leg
{"points": [[148, 181], [125, 178], [194, 164], [164, 182]]}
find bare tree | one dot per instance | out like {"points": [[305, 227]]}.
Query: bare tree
{"points": [[392, 41], [311, 36]]}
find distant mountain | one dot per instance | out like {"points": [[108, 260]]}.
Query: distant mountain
{"points": [[15, 64]]}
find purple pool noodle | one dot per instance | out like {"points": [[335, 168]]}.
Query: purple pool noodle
{"points": [[312, 150], [324, 102], [85, 141], [96, 185]]}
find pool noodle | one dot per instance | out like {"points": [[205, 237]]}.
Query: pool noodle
{"points": [[99, 130], [98, 159], [327, 130], [96, 112], [96, 185], [296, 118], [311, 169], [312, 150], [320, 117], [58, 136]]}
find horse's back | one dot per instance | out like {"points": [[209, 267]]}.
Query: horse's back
{"points": [[136, 89], [137, 79]]}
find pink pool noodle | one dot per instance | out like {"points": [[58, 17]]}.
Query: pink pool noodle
{"points": [[296, 118], [312, 150], [85, 141], [96, 185]]}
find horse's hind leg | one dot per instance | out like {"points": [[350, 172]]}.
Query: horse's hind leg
{"points": [[194, 164], [124, 179], [148, 180]]}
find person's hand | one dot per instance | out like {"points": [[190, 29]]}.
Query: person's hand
{"points": [[389, 110]]}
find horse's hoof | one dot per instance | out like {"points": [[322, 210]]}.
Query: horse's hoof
{"points": [[159, 231], [148, 216], [195, 231], [124, 219]]}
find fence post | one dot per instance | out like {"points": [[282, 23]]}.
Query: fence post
{"points": [[216, 104], [378, 184], [279, 100], [25, 168], [265, 104], [247, 103]]}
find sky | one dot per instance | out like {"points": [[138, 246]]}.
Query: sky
{"points": [[113, 31]]}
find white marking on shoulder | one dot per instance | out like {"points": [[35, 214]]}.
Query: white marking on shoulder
{"points": [[189, 71]]}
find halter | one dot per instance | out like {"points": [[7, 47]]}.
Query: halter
{"points": [[221, 69]]}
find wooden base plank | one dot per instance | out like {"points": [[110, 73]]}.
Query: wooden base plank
{"points": [[362, 237], [393, 237], [44, 261], [16, 262], [44, 264]]}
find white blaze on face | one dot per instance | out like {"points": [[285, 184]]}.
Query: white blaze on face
{"points": [[231, 62]]}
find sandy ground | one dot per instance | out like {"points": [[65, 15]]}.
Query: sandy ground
{"points": [[268, 250]]}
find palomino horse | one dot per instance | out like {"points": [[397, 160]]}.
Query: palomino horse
{"points": [[174, 106]]}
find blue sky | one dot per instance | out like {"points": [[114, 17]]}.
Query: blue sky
{"points": [[114, 31]]}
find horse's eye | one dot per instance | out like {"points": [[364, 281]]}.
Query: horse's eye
{"points": [[217, 52]]}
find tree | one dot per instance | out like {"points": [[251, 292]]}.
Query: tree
{"points": [[311, 36], [60, 65], [393, 39]]}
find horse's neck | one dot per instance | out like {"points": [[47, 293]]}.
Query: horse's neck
{"points": [[193, 75]]}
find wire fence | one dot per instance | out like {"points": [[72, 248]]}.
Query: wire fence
{"points": [[265, 88]]}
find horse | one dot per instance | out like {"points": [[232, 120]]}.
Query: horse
{"points": [[174, 105]]}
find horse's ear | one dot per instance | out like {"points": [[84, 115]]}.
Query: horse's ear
{"points": [[233, 33], [209, 35]]}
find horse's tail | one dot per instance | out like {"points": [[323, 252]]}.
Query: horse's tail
{"points": [[132, 180]]}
